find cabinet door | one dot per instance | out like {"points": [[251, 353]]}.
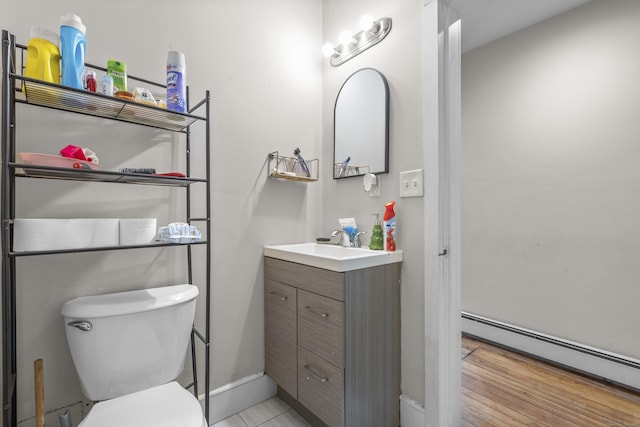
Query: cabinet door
{"points": [[280, 334], [321, 388], [320, 326]]}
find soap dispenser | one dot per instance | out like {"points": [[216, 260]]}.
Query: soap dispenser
{"points": [[377, 240]]}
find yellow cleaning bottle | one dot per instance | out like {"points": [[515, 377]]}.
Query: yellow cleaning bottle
{"points": [[43, 56]]}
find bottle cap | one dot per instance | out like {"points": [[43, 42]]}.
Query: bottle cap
{"points": [[116, 64], [71, 20], [176, 58], [45, 34]]}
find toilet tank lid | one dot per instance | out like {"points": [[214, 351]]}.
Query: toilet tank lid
{"points": [[120, 303]]}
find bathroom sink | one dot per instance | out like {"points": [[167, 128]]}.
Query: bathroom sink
{"points": [[332, 257]]}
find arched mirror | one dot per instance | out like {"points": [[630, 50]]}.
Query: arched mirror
{"points": [[361, 120]]}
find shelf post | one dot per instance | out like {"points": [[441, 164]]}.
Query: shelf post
{"points": [[207, 361], [9, 401]]}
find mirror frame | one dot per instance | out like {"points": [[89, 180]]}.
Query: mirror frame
{"points": [[386, 125]]}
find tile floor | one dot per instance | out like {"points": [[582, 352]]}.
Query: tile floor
{"points": [[272, 412]]}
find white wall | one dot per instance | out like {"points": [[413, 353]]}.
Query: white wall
{"points": [[260, 60], [551, 154], [398, 57]]}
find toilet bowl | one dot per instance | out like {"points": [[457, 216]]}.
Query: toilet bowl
{"points": [[168, 405], [128, 348]]}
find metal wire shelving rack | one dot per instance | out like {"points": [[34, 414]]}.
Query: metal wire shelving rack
{"points": [[17, 88]]}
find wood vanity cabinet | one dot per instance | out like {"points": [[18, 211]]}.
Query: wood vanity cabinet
{"points": [[332, 342]]}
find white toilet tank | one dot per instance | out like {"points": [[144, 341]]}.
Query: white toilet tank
{"points": [[125, 342]]}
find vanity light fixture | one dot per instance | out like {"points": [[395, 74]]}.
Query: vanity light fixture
{"points": [[372, 32], [345, 38]]}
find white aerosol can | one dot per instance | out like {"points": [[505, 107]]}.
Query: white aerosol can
{"points": [[176, 82]]}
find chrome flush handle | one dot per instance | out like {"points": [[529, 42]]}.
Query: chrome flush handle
{"points": [[83, 325]]}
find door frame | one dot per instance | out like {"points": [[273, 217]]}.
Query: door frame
{"points": [[442, 147]]}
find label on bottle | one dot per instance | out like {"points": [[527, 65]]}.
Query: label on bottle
{"points": [[176, 91], [119, 79], [390, 234]]}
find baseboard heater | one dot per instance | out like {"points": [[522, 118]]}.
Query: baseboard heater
{"points": [[591, 361]]}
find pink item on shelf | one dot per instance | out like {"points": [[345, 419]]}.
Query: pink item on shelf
{"points": [[52, 160], [73, 152], [174, 174]]}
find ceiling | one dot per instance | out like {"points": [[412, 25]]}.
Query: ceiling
{"points": [[484, 21]]}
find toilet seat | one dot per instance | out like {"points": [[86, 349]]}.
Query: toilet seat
{"points": [[168, 405]]}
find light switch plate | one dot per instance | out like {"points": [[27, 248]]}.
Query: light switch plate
{"points": [[412, 183]]}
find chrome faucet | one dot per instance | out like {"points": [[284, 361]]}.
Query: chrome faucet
{"points": [[343, 239], [356, 241]]}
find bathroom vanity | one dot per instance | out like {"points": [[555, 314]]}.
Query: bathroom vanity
{"points": [[332, 338]]}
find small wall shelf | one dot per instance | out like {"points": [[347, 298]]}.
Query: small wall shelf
{"points": [[289, 168]]}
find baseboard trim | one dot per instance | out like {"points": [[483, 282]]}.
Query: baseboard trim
{"points": [[602, 364], [411, 413], [239, 395]]}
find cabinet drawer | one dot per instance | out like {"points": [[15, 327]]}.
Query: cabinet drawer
{"points": [[280, 334], [321, 388], [320, 326], [316, 280]]}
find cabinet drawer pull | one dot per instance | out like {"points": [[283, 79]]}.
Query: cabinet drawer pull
{"points": [[279, 296], [317, 313], [318, 376]]}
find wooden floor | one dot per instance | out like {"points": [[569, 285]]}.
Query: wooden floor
{"points": [[501, 388]]}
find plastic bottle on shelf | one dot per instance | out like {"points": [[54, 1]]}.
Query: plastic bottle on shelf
{"points": [[72, 50], [176, 82], [43, 56], [107, 85], [377, 240], [118, 72], [390, 227], [90, 82]]}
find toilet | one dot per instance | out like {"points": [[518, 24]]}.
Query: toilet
{"points": [[128, 348]]}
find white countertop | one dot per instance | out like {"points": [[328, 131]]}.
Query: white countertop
{"points": [[332, 257]]}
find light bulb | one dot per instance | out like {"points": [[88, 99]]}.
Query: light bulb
{"points": [[367, 23], [345, 37], [328, 50]]}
